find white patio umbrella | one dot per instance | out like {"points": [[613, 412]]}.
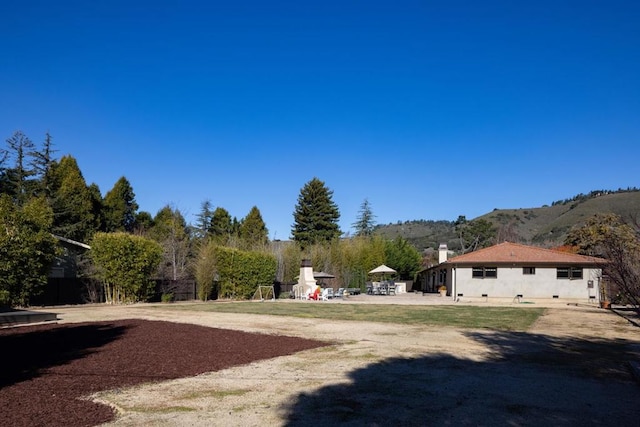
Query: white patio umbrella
{"points": [[382, 269]]}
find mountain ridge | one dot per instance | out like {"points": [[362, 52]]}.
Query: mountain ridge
{"points": [[545, 226]]}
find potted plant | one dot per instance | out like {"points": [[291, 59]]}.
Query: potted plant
{"points": [[443, 290]]}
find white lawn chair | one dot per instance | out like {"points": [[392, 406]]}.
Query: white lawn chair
{"points": [[327, 294]]}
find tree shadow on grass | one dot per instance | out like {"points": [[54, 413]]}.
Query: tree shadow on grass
{"points": [[595, 358], [27, 351], [531, 380]]}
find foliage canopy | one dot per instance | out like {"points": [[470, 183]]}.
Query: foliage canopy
{"points": [[610, 237], [27, 249]]}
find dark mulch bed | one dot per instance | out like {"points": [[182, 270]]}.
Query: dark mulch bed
{"points": [[46, 370]]}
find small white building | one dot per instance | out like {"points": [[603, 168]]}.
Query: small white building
{"points": [[510, 270]]}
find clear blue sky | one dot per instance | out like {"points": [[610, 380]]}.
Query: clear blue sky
{"points": [[429, 109]]}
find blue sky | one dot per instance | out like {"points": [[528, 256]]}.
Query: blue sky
{"points": [[428, 109]]}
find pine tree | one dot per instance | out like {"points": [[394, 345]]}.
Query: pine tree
{"points": [[316, 215], [144, 223], [42, 163], [72, 202], [221, 225], [365, 223], [97, 209], [253, 230], [120, 207], [203, 219]]}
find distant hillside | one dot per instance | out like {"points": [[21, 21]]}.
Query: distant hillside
{"points": [[542, 226], [422, 234]]}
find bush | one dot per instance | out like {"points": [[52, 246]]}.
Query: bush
{"points": [[27, 249], [168, 297], [237, 273], [125, 263]]}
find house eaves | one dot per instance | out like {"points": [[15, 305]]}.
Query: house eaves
{"points": [[72, 242]]}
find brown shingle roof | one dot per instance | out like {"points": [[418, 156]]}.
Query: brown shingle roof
{"points": [[522, 254]]}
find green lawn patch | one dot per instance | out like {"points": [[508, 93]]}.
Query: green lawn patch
{"points": [[472, 317]]}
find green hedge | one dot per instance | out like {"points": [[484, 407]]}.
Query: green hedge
{"points": [[125, 264], [239, 273]]}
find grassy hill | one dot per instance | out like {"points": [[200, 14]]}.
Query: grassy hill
{"points": [[543, 226]]}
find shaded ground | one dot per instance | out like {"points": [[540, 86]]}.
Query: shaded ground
{"points": [[48, 369]]}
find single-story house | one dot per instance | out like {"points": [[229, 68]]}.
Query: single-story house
{"points": [[66, 265], [510, 270]]}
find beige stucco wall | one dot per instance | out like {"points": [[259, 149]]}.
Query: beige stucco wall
{"points": [[511, 282]]}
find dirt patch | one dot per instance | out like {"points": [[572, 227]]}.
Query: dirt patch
{"points": [[570, 368]]}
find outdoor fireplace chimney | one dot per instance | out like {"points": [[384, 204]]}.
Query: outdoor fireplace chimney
{"points": [[442, 253], [306, 280]]}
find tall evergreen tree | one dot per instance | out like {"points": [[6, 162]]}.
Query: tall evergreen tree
{"points": [[19, 147], [221, 225], [365, 222], [253, 231], [72, 202], [96, 203], [4, 178], [316, 215], [203, 219], [42, 162], [144, 223], [120, 207]]}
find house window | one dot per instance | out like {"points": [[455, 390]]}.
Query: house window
{"points": [[484, 272], [576, 273], [569, 273], [528, 270]]}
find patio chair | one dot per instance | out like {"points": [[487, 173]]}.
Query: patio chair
{"points": [[327, 294], [314, 295], [384, 288]]}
